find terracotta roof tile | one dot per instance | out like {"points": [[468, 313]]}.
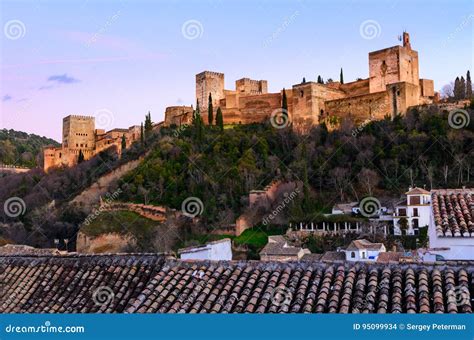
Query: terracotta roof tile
{"points": [[453, 212], [153, 284]]}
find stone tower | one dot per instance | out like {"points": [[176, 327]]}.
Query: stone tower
{"points": [[209, 82], [392, 65], [79, 132]]}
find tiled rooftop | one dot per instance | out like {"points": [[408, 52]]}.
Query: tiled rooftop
{"points": [[152, 284], [453, 212]]}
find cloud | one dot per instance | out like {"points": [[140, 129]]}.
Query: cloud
{"points": [[63, 79], [6, 98], [46, 87]]}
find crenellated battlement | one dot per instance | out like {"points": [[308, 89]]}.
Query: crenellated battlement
{"points": [[80, 117], [209, 74]]}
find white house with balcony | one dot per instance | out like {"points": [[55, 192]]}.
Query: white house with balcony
{"points": [[415, 212]]}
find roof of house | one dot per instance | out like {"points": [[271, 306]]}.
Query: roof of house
{"points": [[278, 246], [453, 212], [344, 206], [390, 256], [311, 257], [417, 191], [17, 249], [208, 245], [331, 256], [150, 283], [364, 244]]}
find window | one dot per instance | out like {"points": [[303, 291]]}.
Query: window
{"points": [[363, 254], [353, 255], [301, 93], [414, 200], [402, 212], [415, 212]]}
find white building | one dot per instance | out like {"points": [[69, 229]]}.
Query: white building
{"points": [[416, 211], [451, 227], [364, 250], [215, 251]]}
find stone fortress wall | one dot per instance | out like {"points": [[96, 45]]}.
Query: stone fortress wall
{"points": [[392, 87], [80, 134]]}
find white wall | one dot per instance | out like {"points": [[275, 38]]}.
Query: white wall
{"points": [[220, 251], [460, 248]]}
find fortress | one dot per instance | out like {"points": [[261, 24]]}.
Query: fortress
{"points": [[392, 87], [80, 134]]}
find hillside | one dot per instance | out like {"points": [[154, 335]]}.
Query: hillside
{"points": [[380, 158], [221, 167], [22, 149]]}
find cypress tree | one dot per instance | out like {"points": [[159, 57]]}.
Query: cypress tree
{"points": [[304, 81], [142, 137], [468, 85], [210, 109], [320, 80], [284, 102], [148, 125], [219, 119], [341, 77], [196, 112], [462, 88], [457, 87], [124, 142]]}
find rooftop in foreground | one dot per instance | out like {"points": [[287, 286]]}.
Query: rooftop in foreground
{"points": [[152, 283]]}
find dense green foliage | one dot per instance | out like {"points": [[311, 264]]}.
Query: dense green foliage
{"points": [[22, 149], [377, 158]]}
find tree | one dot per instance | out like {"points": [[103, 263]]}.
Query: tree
{"points": [[368, 179], [219, 119], [457, 88], [341, 77], [304, 81], [196, 112], [210, 111], [124, 142], [447, 91], [148, 125], [320, 80], [468, 85], [462, 88], [284, 102], [142, 135], [80, 158]]}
